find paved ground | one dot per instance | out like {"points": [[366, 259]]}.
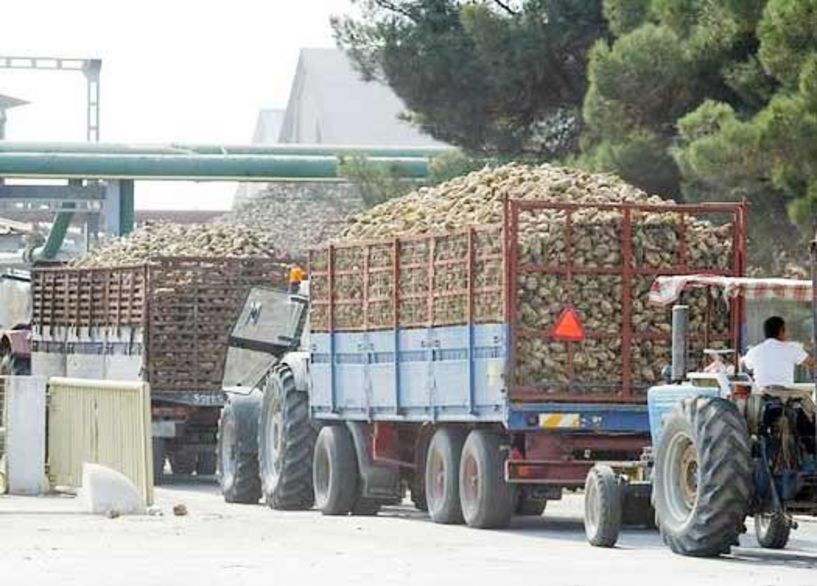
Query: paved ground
{"points": [[43, 541]]}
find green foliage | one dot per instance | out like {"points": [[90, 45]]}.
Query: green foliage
{"points": [[703, 100], [638, 157], [482, 75], [376, 183], [624, 16], [640, 82], [788, 37]]}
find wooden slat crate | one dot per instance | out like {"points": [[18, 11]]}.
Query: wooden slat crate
{"points": [[186, 307]]}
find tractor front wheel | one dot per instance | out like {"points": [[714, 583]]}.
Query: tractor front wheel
{"points": [[772, 530], [703, 477]]}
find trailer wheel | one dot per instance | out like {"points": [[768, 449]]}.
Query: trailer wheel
{"points": [[182, 461], [206, 463], [602, 506], [442, 476], [286, 442], [335, 471], [529, 506], [703, 477], [418, 479], [772, 530], [238, 451], [487, 500]]}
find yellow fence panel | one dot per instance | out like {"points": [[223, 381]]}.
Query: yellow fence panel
{"points": [[99, 422]]}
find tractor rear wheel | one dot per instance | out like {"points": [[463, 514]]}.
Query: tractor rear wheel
{"points": [[772, 530], [703, 477], [286, 443]]}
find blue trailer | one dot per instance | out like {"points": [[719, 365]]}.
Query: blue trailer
{"points": [[419, 368]]}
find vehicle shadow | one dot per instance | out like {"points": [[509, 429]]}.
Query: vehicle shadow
{"points": [[789, 558]]}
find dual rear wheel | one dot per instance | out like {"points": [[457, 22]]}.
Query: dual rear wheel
{"points": [[465, 479]]}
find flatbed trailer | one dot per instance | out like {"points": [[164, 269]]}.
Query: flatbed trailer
{"points": [[426, 380]]}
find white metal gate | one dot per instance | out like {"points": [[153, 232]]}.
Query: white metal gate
{"points": [[100, 422]]}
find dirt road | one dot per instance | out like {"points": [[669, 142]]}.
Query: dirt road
{"points": [[43, 541]]}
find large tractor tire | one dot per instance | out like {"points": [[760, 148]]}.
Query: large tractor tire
{"points": [[772, 530], [286, 442], [443, 476], [335, 472], [488, 502], [703, 477], [238, 451], [602, 506]]}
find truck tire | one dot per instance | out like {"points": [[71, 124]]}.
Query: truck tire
{"points": [[159, 455], [487, 500], [335, 472], [238, 451], [418, 479], [182, 461], [286, 443], [703, 477], [442, 476], [529, 506], [772, 530], [206, 463], [602, 506], [12, 364]]}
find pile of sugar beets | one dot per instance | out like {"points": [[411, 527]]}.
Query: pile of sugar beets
{"points": [[592, 237]]}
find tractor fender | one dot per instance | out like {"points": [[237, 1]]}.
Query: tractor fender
{"points": [[298, 363]]}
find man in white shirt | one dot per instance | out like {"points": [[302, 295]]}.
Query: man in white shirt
{"points": [[772, 361]]}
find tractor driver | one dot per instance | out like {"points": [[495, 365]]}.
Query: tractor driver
{"points": [[773, 361]]}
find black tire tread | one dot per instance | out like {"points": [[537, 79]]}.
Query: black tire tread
{"points": [[496, 503], [608, 493], [246, 485], [342, 495], [528, 506], [294, 490], [450, 440], [776, 536], [725, 477]]}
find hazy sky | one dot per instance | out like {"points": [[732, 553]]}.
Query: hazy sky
{"points": [[173, 70]]}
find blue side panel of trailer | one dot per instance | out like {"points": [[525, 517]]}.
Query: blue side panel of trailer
{"points": [[420, 374]]}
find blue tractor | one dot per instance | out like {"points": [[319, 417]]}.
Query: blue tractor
{"points": [[723, 449]]}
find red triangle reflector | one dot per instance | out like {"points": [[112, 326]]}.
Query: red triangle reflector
{"points": [[568, 327]]}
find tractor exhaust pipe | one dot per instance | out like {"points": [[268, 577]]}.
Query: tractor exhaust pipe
{"points": [[680, 342]]}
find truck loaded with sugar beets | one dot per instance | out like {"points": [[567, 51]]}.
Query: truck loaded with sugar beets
{"points": [[485, 369], [165, 321]]}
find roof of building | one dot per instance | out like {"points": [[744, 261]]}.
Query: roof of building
{"points": [[7, 102], [268, 126], [330, 103]]}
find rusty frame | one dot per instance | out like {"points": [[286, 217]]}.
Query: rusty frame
{"points": [[627, 270], [511, 269]]}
